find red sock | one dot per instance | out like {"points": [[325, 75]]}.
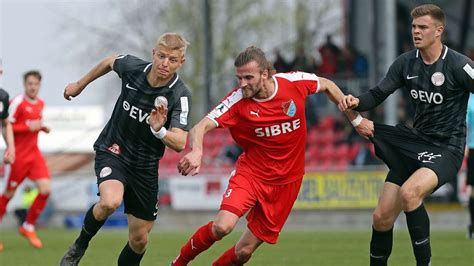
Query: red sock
{"points": [[229, 258], [3, 205], [36, 208], [200, 241]]}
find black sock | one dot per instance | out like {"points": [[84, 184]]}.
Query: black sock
{"points": [[128, 257], [471, 208], [419, 227], [89, 229], [380, 247]]}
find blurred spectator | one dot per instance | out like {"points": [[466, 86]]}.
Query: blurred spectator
{"points": [[329, 56], [471, 53], [280, 64], [365, 156], [231, 152], [360, 64], [303, 62]]}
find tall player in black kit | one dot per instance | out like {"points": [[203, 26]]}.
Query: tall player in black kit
{"points": [[151, 113], [424, 157]]}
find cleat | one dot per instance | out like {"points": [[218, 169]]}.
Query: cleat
{"points": [[470, 232], [72, 256], [31, 236]]}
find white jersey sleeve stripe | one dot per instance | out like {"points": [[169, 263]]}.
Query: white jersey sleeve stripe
{"points": [[16, 101], [300, 76], [225, 105], [297, 76], [183, 117]]}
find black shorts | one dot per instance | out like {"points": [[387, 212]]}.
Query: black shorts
{"points": [[404, 152], [470, 168], [140, 185]]}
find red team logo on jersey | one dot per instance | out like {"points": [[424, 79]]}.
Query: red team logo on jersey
{"points": [[289, 108], [115, 148]]}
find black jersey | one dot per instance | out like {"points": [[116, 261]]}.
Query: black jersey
{"points": [[4, 104], [127, 134], [439, 91]]}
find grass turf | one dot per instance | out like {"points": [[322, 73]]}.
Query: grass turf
{"points": [[294, 248]]}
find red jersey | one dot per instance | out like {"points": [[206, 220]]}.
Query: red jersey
{"points": [[272, 131], [21, 111]]}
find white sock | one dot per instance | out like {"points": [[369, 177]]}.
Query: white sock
{"points": [[28, 227]]}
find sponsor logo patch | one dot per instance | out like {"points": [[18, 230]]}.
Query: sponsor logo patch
{"points": [[437, 79], [289, 108], [427, 157], [106, 171]]}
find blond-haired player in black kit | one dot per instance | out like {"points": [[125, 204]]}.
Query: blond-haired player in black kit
{"points": [[151, 113], [424, 157]]}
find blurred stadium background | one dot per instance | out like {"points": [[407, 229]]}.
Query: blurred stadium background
{"points": [[349, 41]]}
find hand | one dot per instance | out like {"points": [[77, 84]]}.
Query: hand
{"points": [[158, 117], [34, 125], [45, 129], [190, 163], [348, 102], [365, 128], [72, 90], [9, 156]]}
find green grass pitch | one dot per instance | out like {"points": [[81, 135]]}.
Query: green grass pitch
{"points": [[294, 248]]}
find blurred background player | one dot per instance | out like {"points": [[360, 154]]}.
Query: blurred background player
{"points": [[25, 114], [130, 146], [266, 117], [470, 163], [428, 155], [7, 131]]}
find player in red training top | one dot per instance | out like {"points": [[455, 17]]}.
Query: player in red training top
{"points": [[26, 118], [266, 117]]}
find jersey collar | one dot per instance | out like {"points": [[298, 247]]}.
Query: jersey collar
{"points": [[444, 52], [271, 96], [170, 83]]}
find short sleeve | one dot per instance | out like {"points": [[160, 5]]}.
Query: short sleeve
{"points": [[180, 114], [225, 114], [464, 74], [124, 63], [308, 83]]}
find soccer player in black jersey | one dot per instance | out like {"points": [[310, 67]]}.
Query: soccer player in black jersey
{"points": [[133, 141], [424, 157], [7, 130]]}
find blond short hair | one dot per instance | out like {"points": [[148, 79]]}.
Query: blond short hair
{"points": [[173, 41]]}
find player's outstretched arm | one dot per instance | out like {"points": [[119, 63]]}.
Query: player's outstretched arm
{"points": [[364, 127], [9, 156], [191, 162], [102, 68]]}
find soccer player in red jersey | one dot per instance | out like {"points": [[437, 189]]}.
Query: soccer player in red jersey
{"points": [[26, 118], [266, 117]]}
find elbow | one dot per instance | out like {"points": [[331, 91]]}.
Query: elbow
{"points": [[179, 148]]}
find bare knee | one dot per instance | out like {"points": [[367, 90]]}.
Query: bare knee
{"points": [[244, 253], [107, 207], [221, 229], [138, 242], [382, 221], [411, 198], [45, 190]]}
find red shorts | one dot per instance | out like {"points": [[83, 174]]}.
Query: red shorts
{"points": [[268, 205], [34, 168]]}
